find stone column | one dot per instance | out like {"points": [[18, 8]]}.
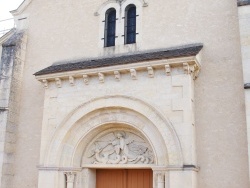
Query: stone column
{"points": [[161, 180], [70, 179], [160, 177]]}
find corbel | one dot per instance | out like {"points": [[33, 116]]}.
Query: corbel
{"points": [[133, 74], [186, 68], [71, 80], [86, 79], [117, 75], [45, 84], [101, 77], [58, 82], [168, 69], [150, 72]]}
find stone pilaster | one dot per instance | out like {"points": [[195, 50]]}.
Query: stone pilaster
{"points": [[12, 62]]}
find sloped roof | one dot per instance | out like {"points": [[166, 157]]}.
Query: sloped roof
{"points": [[243, 2], [167, 53]]}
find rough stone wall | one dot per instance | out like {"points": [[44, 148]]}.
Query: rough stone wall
{"points": [[12, 62]]}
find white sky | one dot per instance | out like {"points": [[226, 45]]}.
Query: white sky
{"points": [[5, 7]]}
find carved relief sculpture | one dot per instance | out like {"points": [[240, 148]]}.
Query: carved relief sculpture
{"points": [[121, 148]]}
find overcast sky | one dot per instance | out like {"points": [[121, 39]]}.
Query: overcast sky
{"points": [[5, 7]]}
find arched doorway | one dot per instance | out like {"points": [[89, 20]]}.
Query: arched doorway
{"points": [[73, 148]]}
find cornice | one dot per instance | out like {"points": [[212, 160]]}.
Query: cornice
{"points": [[189, 65], [184, 60], [21, 8], [124, 59]]}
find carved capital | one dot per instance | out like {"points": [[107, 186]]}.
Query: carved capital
{"points": [[70, 176], [160, 177]]}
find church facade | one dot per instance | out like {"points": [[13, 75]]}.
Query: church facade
{"points": [[124, 94]]}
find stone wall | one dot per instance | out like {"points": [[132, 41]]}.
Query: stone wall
{"points": [[12, 63], [244, 22]]}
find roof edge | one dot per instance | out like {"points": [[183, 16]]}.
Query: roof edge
{"points": [[243, 2], [7, 35], [159, 54], [21, 8]]}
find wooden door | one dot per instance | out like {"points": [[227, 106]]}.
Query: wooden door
{"points": [[124, 178]]}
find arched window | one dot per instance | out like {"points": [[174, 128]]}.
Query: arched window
{"points": [[130, 24], [110, 23]]}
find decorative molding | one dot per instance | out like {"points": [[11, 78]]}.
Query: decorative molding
{"points": [[120, 147], [64, 169], [150, 72], [189, 64], [58, 82], [133, 74]]}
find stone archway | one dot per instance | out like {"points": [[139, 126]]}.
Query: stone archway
{"points": [[101, 116], [66, 147]]}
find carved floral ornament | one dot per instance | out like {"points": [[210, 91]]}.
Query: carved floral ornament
{"points": [[120, 147]]}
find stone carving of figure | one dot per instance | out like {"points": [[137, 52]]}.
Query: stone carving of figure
{"points": [[122, 150], [121, 145]]}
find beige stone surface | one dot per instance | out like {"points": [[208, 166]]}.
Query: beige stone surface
{"points": [[66, 30], [244, 23]]}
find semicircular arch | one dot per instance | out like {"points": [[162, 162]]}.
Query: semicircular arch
{"points": [[147, 114]]}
